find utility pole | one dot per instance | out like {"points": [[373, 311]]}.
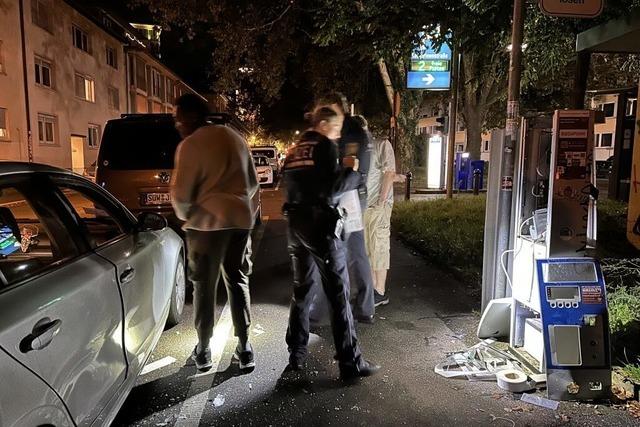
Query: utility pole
{"points": [[453, 118], [499, 289]]}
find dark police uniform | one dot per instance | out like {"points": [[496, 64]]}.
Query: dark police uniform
{"points": [[314, 181], [354, 141]]}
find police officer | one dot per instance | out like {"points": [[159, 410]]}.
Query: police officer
{"points": [[355, 141], [314, 182]]}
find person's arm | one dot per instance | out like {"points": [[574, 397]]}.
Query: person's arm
{"points": [[388, 160], [345, 178], [185, 178]]}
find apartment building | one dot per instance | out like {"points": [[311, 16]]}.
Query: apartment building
{"points": [[65, 70], [605, 133]]}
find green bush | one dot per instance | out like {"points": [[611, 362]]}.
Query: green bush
{"points": [[448, 232], [632, 372], [624, 309], [612, 230]]}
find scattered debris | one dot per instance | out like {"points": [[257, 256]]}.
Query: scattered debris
{"points": [[563, 418], [258, 330], [218, 401], [634, 409], [620, 393], [494, 419], [540, 401], [480, 362]]}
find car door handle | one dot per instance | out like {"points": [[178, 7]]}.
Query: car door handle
{"points": [[127, 275], [43, 333]]}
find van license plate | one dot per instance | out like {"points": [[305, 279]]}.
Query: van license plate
{"points": [[156, 198]]}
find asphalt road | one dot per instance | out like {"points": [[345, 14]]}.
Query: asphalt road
{"points": [[430, 314]]}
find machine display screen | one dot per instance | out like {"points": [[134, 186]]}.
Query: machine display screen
{"points": [[569, 272], [563, 293]]}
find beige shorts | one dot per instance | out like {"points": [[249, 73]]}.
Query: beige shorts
{"points": [[377, 234]]}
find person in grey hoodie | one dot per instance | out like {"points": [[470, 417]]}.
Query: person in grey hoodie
{"points": [[214, 182]]}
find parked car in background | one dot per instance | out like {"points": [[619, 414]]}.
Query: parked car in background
{"points": [[271, 153], [86, 289], [135, 163], [264, 170]]}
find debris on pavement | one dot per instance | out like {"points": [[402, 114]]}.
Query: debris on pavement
{"points": [[218, 401], [540, 401], [634, 409], [479, 363], [258, 330]]}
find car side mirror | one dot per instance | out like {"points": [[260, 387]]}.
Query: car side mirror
{"points": [[150, 221]]}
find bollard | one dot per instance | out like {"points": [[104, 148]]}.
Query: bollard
{"points": [[476, 181], [407, 189]]}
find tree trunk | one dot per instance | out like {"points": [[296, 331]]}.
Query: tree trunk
{"points": [[473, 122]]}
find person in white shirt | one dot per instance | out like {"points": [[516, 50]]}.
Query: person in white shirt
{"points": [[214, 182], [377, 216]]}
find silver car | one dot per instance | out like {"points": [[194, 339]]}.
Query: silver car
{"points": [[85, 292]]}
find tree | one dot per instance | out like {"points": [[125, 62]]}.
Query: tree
{"points": [[331, 40]]}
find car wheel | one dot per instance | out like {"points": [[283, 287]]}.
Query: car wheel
{"points": [[178, 294]]}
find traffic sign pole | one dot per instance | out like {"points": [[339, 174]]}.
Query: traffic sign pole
{"points": [[453, 116]]}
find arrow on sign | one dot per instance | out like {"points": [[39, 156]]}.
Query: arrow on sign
{"points": [[428, 79]]}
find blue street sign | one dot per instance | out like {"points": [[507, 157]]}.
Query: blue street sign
{"points": [[436, 80], [430, 69]]}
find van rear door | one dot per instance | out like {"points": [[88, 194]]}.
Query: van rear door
{"points": [[136, 161]]}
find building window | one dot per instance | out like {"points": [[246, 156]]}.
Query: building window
{"points": [[112, 57], [47, 127], [114, 98], [81, 39], [171, 96], [156, 84], [41, 14], [141, 75], [609, 109], [4, 127], [3, 70], [486, 146], [93, 137], [606, 140], [631, 110], [44, 72], [85, 88], [460, 148]]}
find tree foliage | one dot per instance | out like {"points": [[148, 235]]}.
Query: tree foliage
{"points": [[334, 44]]}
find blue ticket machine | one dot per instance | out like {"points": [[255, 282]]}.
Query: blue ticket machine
{"points": [[575, 327]]}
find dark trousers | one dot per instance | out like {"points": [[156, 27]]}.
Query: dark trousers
{"points": [[212, 254], [360, 277], [315, 252]]}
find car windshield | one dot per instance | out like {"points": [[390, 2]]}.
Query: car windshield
{"points": [[130, 145], [260, 161], [267, 152]]}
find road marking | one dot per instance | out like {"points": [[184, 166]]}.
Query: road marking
{"points": [[278, 186], [193, 408], [158, 364]]}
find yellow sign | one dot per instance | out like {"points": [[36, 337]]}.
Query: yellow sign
{"points": [[572, 8]]}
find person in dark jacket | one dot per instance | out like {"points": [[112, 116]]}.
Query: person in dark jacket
{"points": [[314, 180], [354, 142]]}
